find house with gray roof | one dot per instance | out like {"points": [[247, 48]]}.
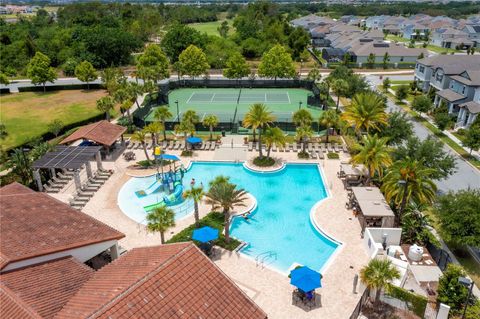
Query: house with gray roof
{"points": [[451, 38], [473, 33]]}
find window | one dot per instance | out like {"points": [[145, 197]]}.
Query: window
{"points": [[401, 59], [421, 69], [463, 89], [438, 77]]}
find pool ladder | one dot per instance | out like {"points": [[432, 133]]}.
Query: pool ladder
{"points": [[261, 258]]}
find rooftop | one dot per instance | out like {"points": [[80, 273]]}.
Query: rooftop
{"points": [[450, 95], [102, 132], [67, 157], [452, 64]]}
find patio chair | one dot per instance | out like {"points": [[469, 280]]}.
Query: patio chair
{"points": [[49, 189], [287, 147], [52, 184], [313, 155], [329, 147], [130, 145], [320, 155], [213, 146], [316, 146], [182, 145], [294, 147], [336, 148], [175, 145], [250, 146], [309, 147], [60, 181]]}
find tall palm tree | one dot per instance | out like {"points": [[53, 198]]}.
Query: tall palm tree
{"points": [[105, 104], [302, 117], [153, 129], [186, 127], [274, 135], [210, 121], [134, 90], [378, 274], [329, 119], [160, 220], [339, 87], [366, 112], [374, 153], [225, 196], [139, 136], [258, 117], [162, 114], [408, 180], [303, 134], [196, 194]]}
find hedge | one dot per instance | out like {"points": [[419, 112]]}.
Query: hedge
{"points": [[415, 303], [55, 87]]}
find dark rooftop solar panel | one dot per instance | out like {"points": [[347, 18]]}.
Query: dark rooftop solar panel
{"points": [[67, 157], [476, 28]]}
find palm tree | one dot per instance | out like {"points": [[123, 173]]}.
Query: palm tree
{"points": [[196, 194], [374, 153], [303, 134], [274, 135], [134, 90], [20, 163], [105, 104], [366, 111], [139, 136], [302, 117], [225, 195], [329, 119], [153, 129], [408, 180], [210, 121], [186, 127], [339, 87], [162, 114], [161, 219], [258, 117], [377, 275]]}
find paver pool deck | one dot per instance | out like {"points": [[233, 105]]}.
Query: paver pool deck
{"points": [[268, 288]]}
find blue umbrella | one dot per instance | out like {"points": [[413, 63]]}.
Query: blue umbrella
{"points": [[168, 157], [305, 279], [205, 234], [194, 140]]}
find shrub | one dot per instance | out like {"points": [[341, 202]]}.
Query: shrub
{"points": [[450, 291], [333, 156], [263, 161], [187, 153], [415, 303], [303, 155], [145, 163]]}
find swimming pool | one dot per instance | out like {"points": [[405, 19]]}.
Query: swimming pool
{"points": [[280, 227]]}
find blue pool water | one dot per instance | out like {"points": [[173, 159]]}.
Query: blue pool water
{"points": [[280, 224]]}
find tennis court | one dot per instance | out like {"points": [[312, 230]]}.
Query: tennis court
{"points": [[223, 102]]}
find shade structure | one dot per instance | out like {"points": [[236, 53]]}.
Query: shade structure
{"points": [[205, 234], [194, 140], [168, 157], [305, 278]]}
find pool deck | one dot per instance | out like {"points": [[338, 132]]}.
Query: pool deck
{"points": [[268, 288]]}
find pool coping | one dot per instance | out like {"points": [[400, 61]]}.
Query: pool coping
{"points": [[247, 166]]}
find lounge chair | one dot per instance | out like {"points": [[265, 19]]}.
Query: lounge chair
{"points": [[53, 185], [182, 145], [287, 147], [213, 146], [329, 147], [344, 148], [320, 155], [316, 146], [60, 181], [294, 146], [175, 145], [250, 146], [49, 189], [130, 145], [313, 154], [309, 147], [336, 148], [274, 148]]}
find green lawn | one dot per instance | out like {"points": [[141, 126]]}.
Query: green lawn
{"points": [[429, 47], [26, 115], [211, 28]]}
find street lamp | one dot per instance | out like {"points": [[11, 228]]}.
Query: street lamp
{"points": [[467, 283], [300, 104], [178, 113]]}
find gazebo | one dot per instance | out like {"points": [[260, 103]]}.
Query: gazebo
{"points": [[374, 209]]}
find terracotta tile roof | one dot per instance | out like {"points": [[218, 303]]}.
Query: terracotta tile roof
{"points": [[102, 132], [47, 287], [168, 281], [35, 224], [13, 307]]}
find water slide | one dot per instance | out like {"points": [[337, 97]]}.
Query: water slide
{"points": [[154, 187], [169, 200]]}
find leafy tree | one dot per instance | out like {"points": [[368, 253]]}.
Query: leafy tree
{"points": [[274, 136], [329, 119], [178, 38], [20, 164], [162, 114], [430, 153], [196, 194], [314, 74], [378, 274], [276, 63], [386, 84], [55, 127], [374, 154], [442, 120], [422, 104], [346, 59], [472, 138], [225, 196], [40, 71], [210, 121], [134, 90], [153, 65], [450, 291], [106, 104], [398, 129], [459, 216], [366, 112], [139, 136], [402, 92], [298, 40], [4, 79], [186, 127], [236, 67], [371, 61], [258, 117], [193, 61], [3, 132], [303, 133], [340, 88], [219, 50], [223, 29], [85, 72], [160, 220], [415, 227], [112, 79], [386, 59], [302, 117]]}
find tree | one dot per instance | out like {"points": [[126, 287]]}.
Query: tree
{"points": [[371, 61], [153, 64], [162, 114], [408, 181], [274, 136], [346, 59], [378, 274], [4, 79], [442, 120], [314, 74], [196, 194], [430, 153], [186, 127], [3, 132], [276, 63], [160, 220], [459, 217], [223, 29], [450, 291], [153, 129], [55, 127], [422, 104], [374, 154], [225, 196], [398, 128], [472, 138], [340, 88], [193, 61], [134, 90], [112, 79], [178, 38], [415, 227], [386, 59], [106, 104], [402, 92], [298, 41], [139, 136], [366, 112], [303, 133], [329, 119], [302, 117], [40, 71], [210, 121], [20, 164], [258, 117], [236, 67], [85, 72], [386, 84]]}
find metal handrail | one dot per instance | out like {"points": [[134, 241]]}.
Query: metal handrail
{"points": [[260, 258]]}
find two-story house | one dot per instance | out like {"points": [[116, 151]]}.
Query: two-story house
{"points": [[473, 32], [451, 38], [469, 110], [460, 90]]}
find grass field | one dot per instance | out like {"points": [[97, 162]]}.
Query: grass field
{"points": [[26, 115], [222, 102], [211, 28]]}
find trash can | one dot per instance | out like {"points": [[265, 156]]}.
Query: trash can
{"points": [[223, 133]]}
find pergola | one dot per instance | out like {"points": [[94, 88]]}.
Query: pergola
{"points": [[68, 157], [373, 206]]}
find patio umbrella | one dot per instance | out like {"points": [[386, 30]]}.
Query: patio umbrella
{"points": [[194, 140], [205, 234], [305, 279], [168, 157]]}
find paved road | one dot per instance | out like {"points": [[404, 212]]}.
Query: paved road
{"points": [[465, 176]]}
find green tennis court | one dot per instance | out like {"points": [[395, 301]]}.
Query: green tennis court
{"points": [[223, 102]]}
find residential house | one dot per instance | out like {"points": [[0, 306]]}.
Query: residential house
{"points": [[415, 31], [398, 53], [473, 33], [469, 111], [375, 22], [451, 38]]}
